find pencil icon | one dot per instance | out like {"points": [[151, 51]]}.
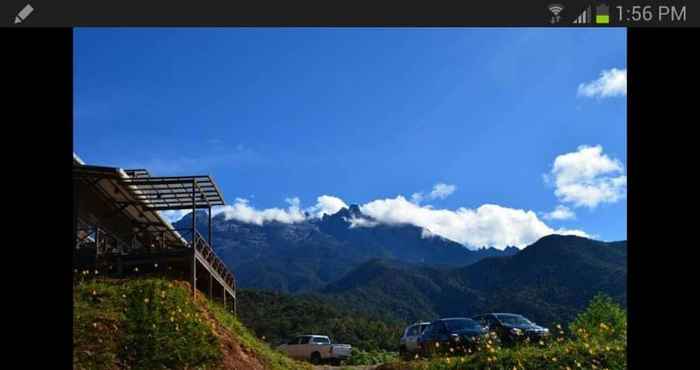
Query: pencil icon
{"points": [[23, 14]]}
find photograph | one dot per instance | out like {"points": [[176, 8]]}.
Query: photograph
{"points": [[350, 198]]}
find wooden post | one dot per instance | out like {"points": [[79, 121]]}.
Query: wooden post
{"points": [[193, 239], [211, 286], [97, 245], [194, 272], [210, 242]]}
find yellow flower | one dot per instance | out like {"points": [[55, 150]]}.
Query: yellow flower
{"points": [[146, 300], [172, 319], [123, 295], [94, 292]]}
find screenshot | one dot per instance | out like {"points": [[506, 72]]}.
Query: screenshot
{"points": [[413, 191]]}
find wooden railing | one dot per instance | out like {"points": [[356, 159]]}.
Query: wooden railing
{"points": [[202, 247], [105, 245]]}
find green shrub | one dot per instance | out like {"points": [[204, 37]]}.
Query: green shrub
{"points": [[603, 320], [360, 357]]}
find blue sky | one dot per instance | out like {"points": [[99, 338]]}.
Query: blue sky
{"points": [[366, 115]]}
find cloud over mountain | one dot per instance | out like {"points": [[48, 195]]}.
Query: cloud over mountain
{"points": [[487, 225]]}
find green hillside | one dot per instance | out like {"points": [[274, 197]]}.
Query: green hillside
{"points": [[153, 323], [278, 316], [549, 282]]}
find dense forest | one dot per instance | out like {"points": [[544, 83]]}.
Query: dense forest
{"points": [[276, 317]]}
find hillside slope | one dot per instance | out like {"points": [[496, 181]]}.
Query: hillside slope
{"points": [[548, 281], [149, 323]]}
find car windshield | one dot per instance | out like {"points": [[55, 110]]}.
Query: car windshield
{"points": [[422, 328], [321, 340], [462, 324], [515, 320]]}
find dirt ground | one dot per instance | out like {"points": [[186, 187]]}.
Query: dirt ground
{"points": [[328, 367], [236, 357]]}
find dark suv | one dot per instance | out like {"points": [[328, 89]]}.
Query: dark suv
{"points": [[512, 328], [456, 334]]}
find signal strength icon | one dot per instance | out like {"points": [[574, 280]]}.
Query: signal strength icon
{"points": [[585, 17]]}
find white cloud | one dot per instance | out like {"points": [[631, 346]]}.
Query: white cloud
{"points": [[560, 213], [326, 204], [588, 177], [242, 211], [174, 215], [440, 191], [361, 222], [488, 225], [612, 82]]}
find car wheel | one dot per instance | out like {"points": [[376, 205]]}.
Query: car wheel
{"points": [[315, 358], [335, 362]]}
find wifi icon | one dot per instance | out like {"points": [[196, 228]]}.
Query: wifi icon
{"points": [[555, 9]]}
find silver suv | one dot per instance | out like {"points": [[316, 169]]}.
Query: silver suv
{"points": [[409, 340]]}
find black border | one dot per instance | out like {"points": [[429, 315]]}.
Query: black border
{"points": [[662, 147], [37, 151]]}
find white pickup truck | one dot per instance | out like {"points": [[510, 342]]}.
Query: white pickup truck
{"points": [[317, 349]]}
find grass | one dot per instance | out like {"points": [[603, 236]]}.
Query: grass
{"points": [[273, 359], [360, 357], [597, 339], [154, 323], [567, 355]]}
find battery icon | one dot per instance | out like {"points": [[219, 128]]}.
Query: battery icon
{"points": [[602, 14]]}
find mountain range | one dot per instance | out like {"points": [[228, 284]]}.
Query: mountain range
{"points": [[549, 281], [403, 273], [306, 256]]}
